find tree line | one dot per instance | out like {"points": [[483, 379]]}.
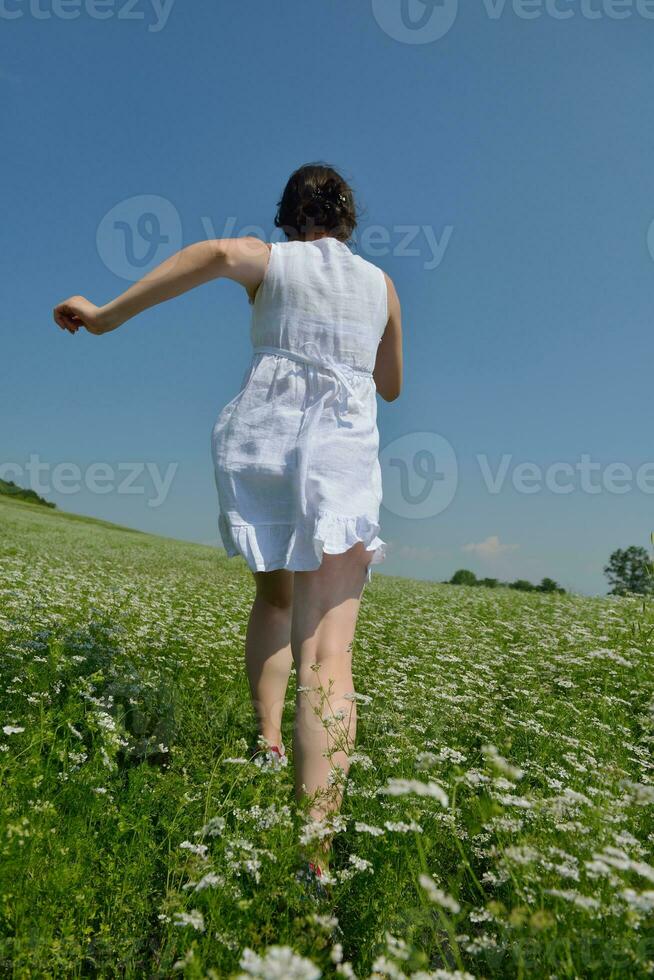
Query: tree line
{"points": [[630, 571], [465, 577], [11, 489]]}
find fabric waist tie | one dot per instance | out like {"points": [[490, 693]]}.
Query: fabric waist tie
{"points": [[325, 361], [343, 391]]}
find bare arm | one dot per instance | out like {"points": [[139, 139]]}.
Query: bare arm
{"points": [[388, 366], [242, 259]]}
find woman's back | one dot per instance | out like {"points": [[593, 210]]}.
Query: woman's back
{"points": [[319, 293]]}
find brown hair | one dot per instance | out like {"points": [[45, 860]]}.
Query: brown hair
{"points": [[316, 199]]}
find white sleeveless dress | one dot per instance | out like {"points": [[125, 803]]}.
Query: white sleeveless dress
{"points": [[296, 451]]}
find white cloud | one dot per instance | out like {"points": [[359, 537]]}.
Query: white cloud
{"points": [[490, 548]]}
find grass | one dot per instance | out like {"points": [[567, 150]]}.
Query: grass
{"points": [[498, 817]]}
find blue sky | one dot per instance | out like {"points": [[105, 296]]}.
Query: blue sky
{"points": [[506, 171]]}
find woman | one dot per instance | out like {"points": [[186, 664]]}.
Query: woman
{"points": [[296, 455]]}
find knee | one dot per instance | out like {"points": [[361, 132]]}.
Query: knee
{"points": [[280, 601], [319, 664]]}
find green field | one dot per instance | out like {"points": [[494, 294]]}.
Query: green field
{"points": [[498, 817]]}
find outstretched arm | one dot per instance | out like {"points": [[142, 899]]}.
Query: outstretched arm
{"points": [[242, 259]]}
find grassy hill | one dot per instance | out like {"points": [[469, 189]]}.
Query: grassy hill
{"points": [[498, 820], [10, 489]]}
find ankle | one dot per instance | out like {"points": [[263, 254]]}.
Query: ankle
{"points": [[271, 739], [317, 857]]}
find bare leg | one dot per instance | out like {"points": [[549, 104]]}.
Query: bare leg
{"points": [[325, 610], [268, 656]]}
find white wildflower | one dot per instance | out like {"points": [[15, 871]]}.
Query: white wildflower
{"points": [[397, 948], [320, 829], [641, 901], [438, 896], [278, 963], [508, 800], [617, 858], [522, 854], [475, 778], [581, 901], [325, 921], [400, 827], [194, 918], [500, 763], [480, 915], [642, 793], [364, 828], [357, 696], [336, 953], [212, 828], [199, 849], [360, 863], [442, 975], [209, 880], [403, 787], [384, 967]]}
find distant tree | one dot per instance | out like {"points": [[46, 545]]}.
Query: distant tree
{"points": [[463, 577], [630, 571], [549, 585], [489, 583], [522, 585]]}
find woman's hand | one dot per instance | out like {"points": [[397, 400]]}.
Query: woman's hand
{"points": [[78, 312]]}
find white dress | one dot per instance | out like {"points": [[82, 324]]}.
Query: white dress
{"points": [[296, 451]]}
